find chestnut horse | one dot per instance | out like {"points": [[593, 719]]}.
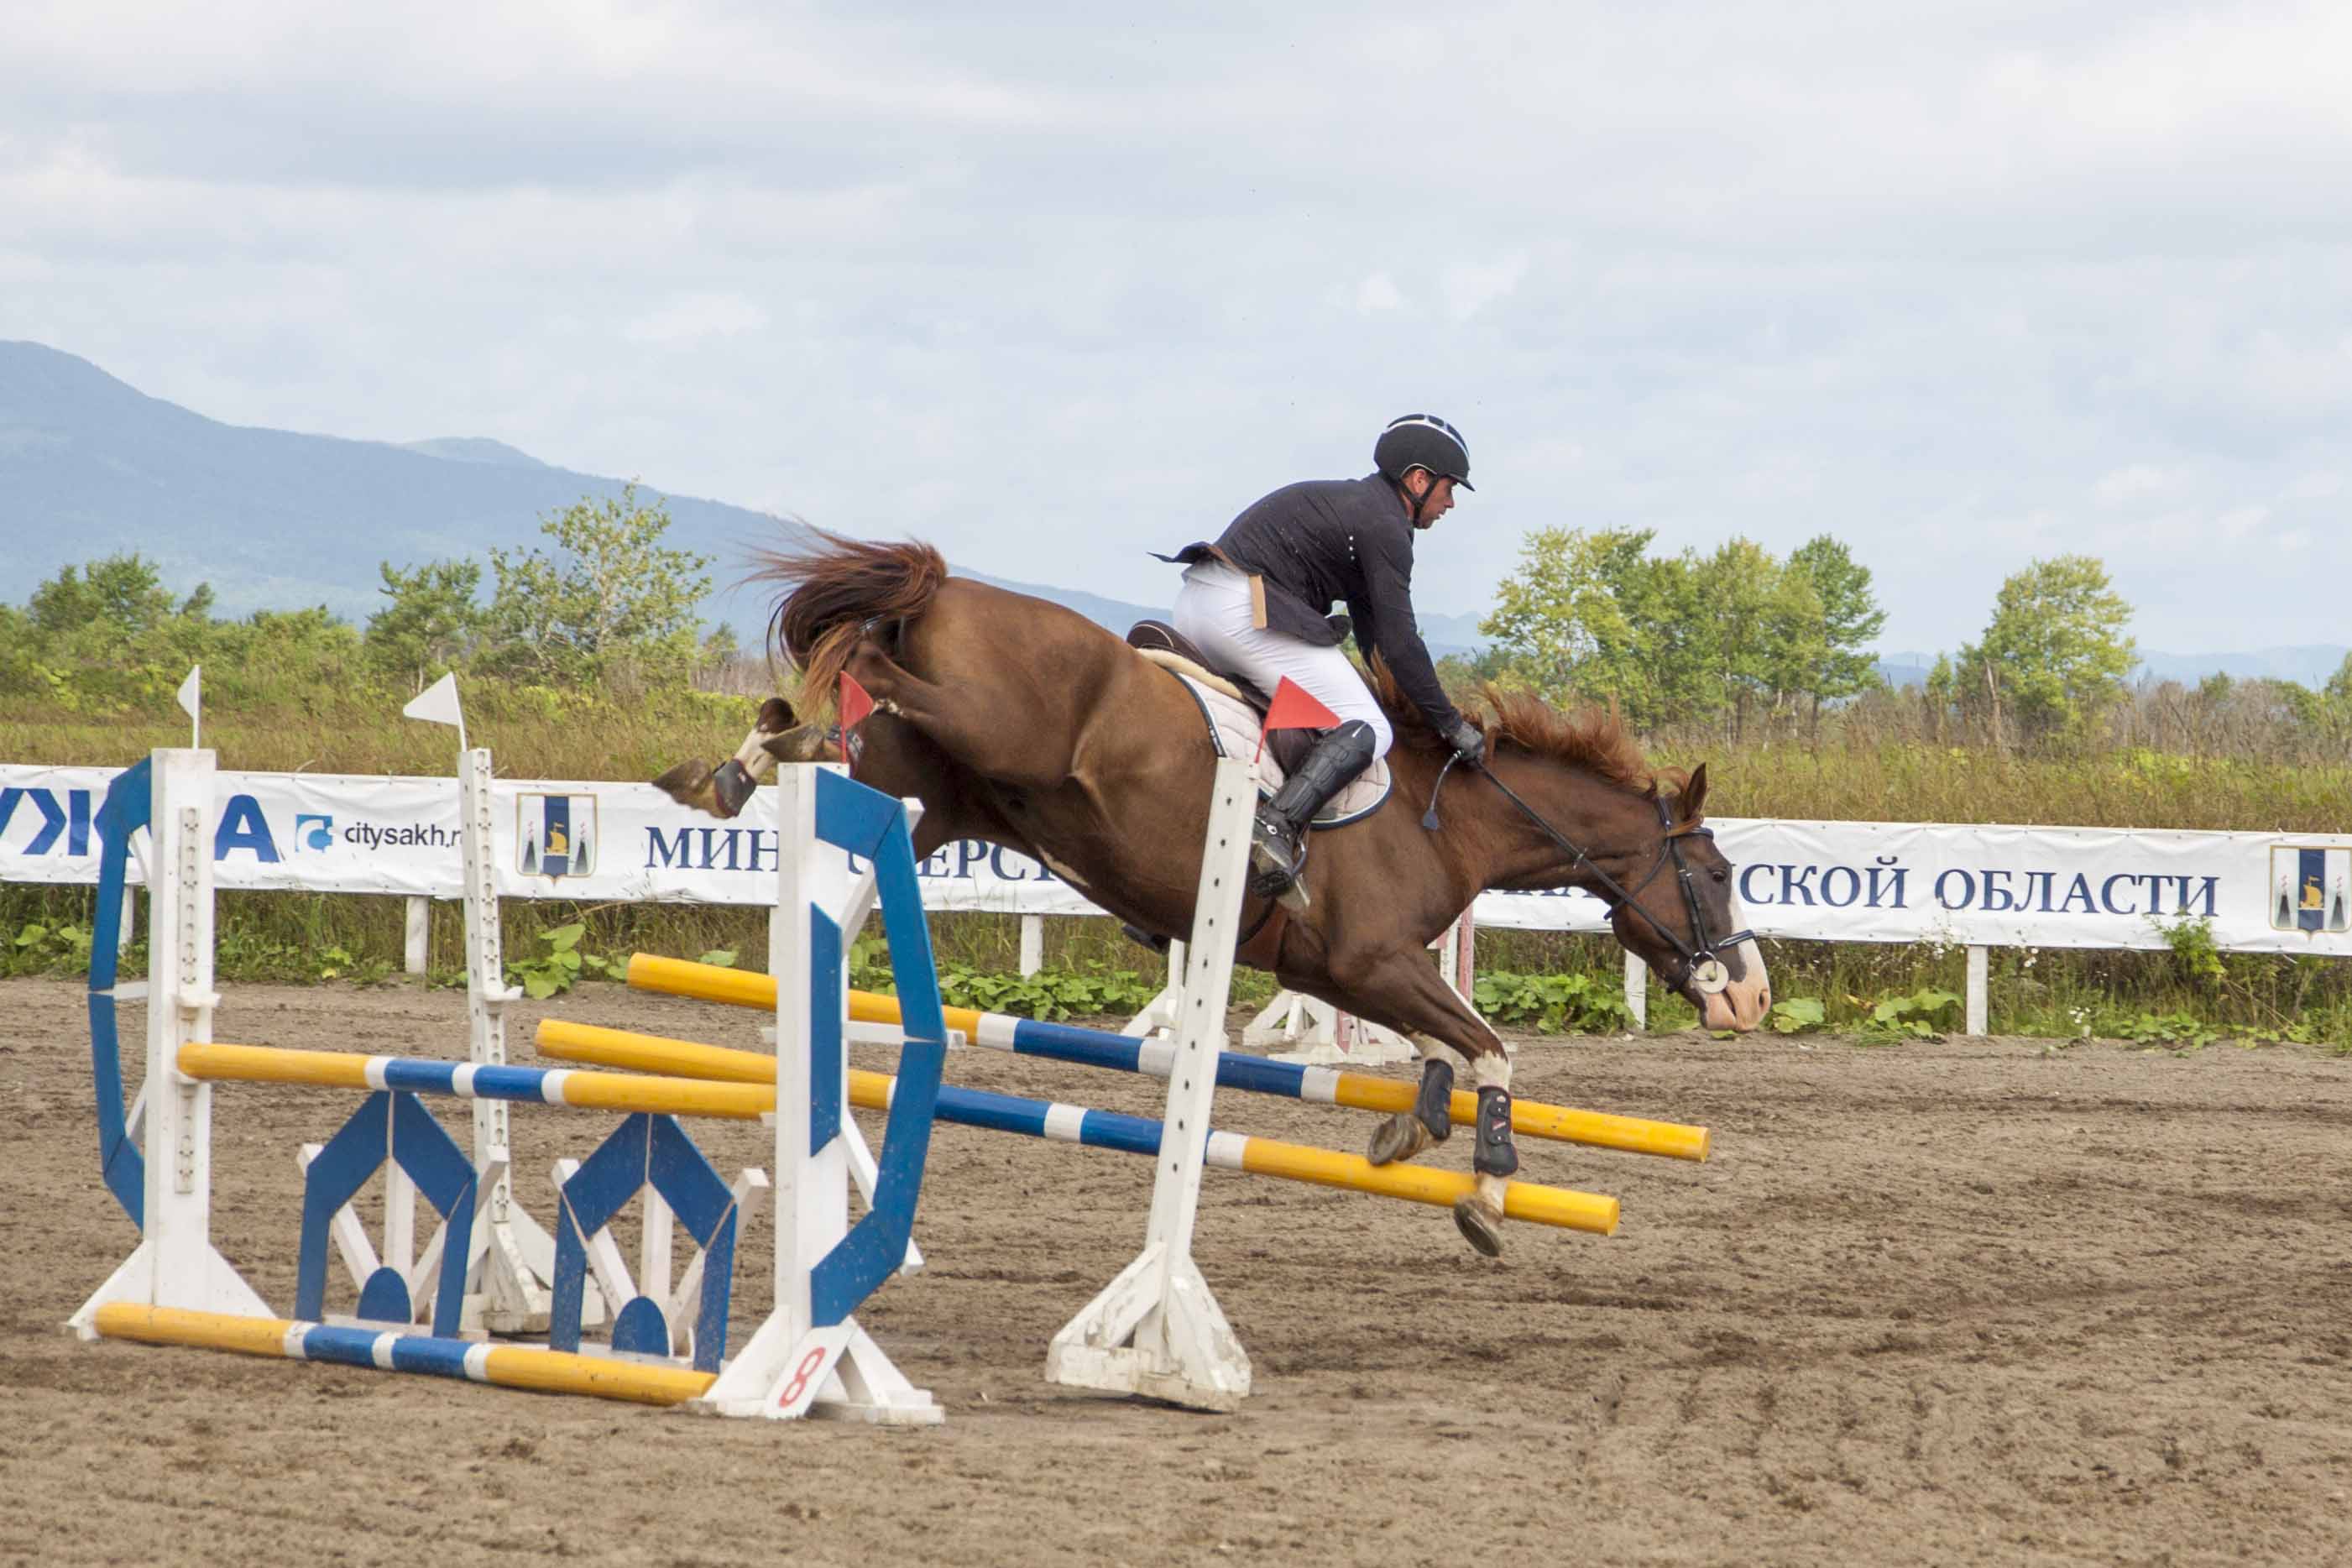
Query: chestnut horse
{"points": [[1026, 724]]}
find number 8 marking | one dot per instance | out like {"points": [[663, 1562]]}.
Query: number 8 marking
{"points": [[801, 1374]]}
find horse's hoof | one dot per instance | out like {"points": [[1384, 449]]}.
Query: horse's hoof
{"points": [[1399, 1138], [685, 783], [1481, 1224], [733, 786]]}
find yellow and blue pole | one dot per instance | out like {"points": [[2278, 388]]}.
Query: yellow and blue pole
{"points": [[217, 1063], [1527, 1201], [507, 1366], [1255, 1075]]}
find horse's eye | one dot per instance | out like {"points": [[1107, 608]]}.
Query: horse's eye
{"points": [[1720, 875]]}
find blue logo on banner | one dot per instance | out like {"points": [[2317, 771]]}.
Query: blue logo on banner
{"points": [[2311, 888], [313, 832], [557, 835]]}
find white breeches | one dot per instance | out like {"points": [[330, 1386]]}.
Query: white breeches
{"points": [[1213, 610]]}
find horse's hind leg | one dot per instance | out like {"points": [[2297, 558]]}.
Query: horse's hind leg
{"points": [[721, 791], [1404, 993], [980, 726]]}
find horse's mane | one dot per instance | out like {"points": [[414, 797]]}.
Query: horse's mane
{"points": [[1595, 740]]}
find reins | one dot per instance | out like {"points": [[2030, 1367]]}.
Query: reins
{"points": [[1701, 966]]}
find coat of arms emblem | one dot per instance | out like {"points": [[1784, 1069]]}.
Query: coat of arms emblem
{"points": [[557, 835], [2311, 888]]}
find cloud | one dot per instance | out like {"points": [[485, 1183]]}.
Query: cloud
{"points": [[1376, 293], [1959, 283], [1470, 286], [692, 317], [2138, 482]]}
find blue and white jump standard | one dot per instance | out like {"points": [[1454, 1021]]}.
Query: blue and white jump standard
{"points": [[810, 1357], [175, 1263]]}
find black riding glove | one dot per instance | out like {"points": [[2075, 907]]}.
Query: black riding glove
{"points": [[1467, 743]]}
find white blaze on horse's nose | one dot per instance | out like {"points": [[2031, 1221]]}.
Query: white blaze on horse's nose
{"points": [[1743, 1003]]}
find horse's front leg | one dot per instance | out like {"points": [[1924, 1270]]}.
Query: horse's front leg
{"points": [[1402, 990]]}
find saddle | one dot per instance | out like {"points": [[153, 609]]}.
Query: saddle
{"points": [[1234, 711]]}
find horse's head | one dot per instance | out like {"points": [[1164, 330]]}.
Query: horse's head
{"points": [[1681, 916]]}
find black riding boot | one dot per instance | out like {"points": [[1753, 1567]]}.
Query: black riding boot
{"points": [[1278, 839]]}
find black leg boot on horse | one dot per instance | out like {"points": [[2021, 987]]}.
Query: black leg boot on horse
{"points": [[1278, 839], [1431, 1121]]}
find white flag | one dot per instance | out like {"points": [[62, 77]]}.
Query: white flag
{"points": [[192, 702], [437, 704]]}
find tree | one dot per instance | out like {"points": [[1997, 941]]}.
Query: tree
{"points": [[105, 637], [2333, 718], [617, 609], [1591, 617], [1837, 666], [2054, 654], [121, 597], [1682, 638], [433, 623], [1462, 674], [273, 655], [1766, 627], [1564, 620]]}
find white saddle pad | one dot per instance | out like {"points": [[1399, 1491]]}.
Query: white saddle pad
{"points": [[1233, 730]]}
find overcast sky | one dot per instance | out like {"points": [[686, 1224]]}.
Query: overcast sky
{"points": [[1961, 284]]}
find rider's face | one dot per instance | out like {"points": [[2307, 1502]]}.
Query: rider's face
{"points": [[1434, 497]]}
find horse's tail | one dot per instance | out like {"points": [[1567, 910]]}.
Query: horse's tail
{"points": [[838, 587]]}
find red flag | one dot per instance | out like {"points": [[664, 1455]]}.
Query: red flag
{"points": [[856, 703], [1294, 708]]}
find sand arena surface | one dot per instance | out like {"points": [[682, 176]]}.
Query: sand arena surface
{"points": [[1956, 1303]]}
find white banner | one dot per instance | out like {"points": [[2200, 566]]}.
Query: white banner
{"points": [[1834, 881]]}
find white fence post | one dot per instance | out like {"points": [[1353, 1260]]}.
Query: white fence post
{"points": [[420, 917], [1637, 991], [1164, 1012], [1978, 987], [518, 1252], [1032, 944]]}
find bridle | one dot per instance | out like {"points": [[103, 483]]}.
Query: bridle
{"points": [[1702, 970]]}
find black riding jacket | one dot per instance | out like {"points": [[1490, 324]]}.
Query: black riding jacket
{"points": [[1310, 544]]}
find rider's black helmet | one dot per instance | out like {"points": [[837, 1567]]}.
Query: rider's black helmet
{"points": [[1423, 441]]}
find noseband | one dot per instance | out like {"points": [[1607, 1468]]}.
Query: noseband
{"points": [[1702, 970]]}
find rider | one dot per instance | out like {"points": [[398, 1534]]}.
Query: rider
{"points": [[1256, 603]]}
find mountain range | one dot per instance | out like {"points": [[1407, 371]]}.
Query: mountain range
{"points": [[91, 466]]}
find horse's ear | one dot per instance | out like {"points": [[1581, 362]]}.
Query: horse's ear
{"points": [[775, 717], [1694, 802]]}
